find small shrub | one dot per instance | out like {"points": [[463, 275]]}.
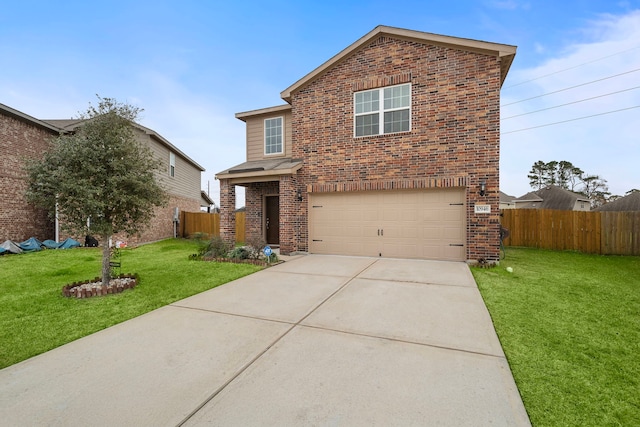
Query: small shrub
{"points": [[241, 252], [215, 248], [255, 246]]}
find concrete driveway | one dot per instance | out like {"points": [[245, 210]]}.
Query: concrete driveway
{"points": [[317, 340]]}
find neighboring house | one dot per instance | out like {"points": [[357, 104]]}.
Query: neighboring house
{"points": [[507, 201], [29, 137], [22, 137], [553, 197], [630, 202], [390, 148], [206, 202]]}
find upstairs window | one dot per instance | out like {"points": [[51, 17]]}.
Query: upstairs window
{"points": [[389, 106], [273, 141], [172, 165]]}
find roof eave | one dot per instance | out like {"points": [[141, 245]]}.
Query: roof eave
{"points": [[152, 133], [258, 176], [29, 119], [269, 110]]}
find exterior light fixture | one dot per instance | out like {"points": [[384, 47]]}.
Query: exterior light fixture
{"points": [[483, 187], [299, 196]]}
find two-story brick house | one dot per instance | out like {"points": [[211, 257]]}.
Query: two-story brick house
{"points": [[25, 137], [390, 148]]}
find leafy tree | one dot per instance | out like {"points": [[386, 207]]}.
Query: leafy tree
{"points": [[538, 175], [567, 175], [563, 174], [596, 189], [102, 173]]}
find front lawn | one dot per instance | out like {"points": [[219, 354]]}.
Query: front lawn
{"points": [[35, 317], [569, 324]]}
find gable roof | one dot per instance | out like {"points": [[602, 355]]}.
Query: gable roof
{"points": [[19, 115], [505, 198], [554, 197], [68, 125], [529, 197], [505, 52], [630, 202]]}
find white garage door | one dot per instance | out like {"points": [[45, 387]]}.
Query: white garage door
{"points": [[426, 224]]}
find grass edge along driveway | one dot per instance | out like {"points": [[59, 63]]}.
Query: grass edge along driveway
{"points": [[569, 324], [35, 317]]}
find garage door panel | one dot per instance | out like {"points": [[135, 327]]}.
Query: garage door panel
{"points": [[407, 224]]}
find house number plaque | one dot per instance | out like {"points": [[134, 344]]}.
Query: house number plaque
{"points": [[482, 209]]}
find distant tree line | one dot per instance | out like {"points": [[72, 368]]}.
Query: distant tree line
{"points": [[565, 175]]}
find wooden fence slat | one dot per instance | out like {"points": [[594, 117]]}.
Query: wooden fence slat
{"points": [[607, 233], [209, 224]]}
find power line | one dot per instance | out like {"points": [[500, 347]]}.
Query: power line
{"points": [[570, 103], [570, 120], [572, 87], [570, 68]]}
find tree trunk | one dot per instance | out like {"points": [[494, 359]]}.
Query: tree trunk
{"points": [[106, 260]]}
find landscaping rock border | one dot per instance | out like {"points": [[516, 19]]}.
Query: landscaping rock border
{"points": [[92, 288]]}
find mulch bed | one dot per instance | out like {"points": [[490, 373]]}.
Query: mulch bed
{"points": [[92, 288], [259, 262]]}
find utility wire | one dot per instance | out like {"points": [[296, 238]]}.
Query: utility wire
{"points": [[573, 87], [570, 68], [570, 120], [570, 103]]}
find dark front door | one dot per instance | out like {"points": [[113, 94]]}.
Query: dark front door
{"points": [[272, 220]]}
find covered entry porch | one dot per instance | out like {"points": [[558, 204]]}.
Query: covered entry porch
{"points": [[271, 202]]}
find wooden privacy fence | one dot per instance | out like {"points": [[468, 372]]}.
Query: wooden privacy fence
{"points": [[606, 233], [208, 223]]}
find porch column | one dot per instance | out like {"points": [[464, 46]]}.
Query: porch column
{"points": [[227, 211], [292, 215]]}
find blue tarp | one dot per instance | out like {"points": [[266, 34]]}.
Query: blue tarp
{"points": [[50, 244], [31, 244], [67, 244], [9, 247]]}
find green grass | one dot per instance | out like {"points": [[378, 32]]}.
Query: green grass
{"points": [[35, 317], [569, 324]]}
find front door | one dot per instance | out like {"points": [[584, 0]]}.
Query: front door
{"points": [[272, 220]]}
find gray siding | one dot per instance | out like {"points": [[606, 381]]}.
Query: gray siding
{"points": [[186, 182]]}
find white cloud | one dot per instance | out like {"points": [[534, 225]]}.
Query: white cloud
{"points": [[605, 145]]}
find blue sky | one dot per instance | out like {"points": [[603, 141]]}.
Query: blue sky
{"points": [[191, 65]]}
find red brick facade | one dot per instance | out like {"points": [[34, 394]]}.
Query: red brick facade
{"points": [[227, 215], [454, 137], [453, 141], [18, 219]]}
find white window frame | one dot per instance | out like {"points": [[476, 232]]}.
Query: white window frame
{"points": [[380, 111], [264, 129], [172, 165]]}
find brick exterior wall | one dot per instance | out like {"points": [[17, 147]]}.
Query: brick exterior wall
{"points": [[227, 211], [18, 219], [161, 226], [454, 139]]}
